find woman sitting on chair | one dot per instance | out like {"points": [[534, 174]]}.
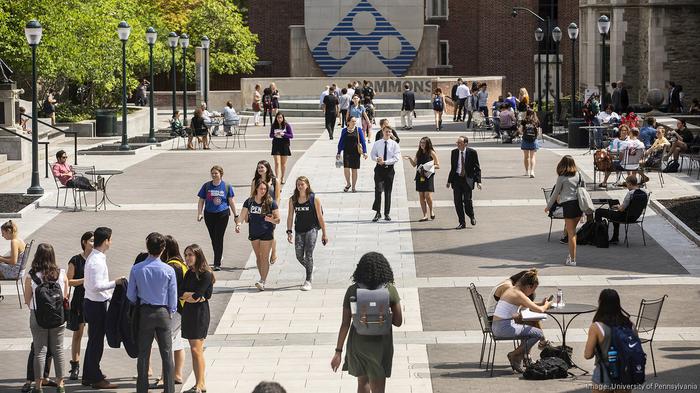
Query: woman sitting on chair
{"points": [[9, 265], [199, 130]]}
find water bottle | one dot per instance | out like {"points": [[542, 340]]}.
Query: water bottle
{"points": [[560, 298], [612, 363], [353, 305]]}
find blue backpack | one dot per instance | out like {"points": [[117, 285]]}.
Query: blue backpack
{"points": [[438, 104], [631, 358]]}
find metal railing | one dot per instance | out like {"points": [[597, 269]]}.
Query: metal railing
{"points": [[46, 147], [74, 133]]}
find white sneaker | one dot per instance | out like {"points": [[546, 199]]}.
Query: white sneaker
{"points": [[260, 285], [532, 174], [569, 261], [306, 286]]}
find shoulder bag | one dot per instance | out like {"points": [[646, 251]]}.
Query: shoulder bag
{"points": [[359, 143]]}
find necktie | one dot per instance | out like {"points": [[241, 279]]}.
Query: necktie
{"points": [[386, 145], [462, 172]]}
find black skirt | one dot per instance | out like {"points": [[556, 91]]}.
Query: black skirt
{"points": [[571, 209], [424, 184], [195, 320], [280, 147], [351, 159]]}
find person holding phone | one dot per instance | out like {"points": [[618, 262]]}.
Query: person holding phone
{"points": [[281, 134], [309, 219], [261, 213]]}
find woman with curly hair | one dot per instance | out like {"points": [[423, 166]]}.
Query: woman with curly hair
{"points": [[261, 213], [264, 171], [368, 357]]}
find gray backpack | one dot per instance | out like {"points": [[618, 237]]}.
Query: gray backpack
{"points": [[373, 312]]}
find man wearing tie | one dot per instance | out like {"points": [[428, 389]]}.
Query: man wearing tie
{"points": [[465, 173], [386, 153]]}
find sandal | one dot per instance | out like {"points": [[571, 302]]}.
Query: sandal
{"points": [[424, 219], [273, 260], [432, 216], [158, 384], [515, 364], [27, 387], [346, 188], [49, 383]]}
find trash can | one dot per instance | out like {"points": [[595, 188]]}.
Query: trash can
{"points": [[578, 137], [105, 122]]}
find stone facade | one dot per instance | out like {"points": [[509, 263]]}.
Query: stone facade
{"points": [[651, 42]]}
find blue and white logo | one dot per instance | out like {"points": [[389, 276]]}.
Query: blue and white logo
{"points": [[364, 37]]}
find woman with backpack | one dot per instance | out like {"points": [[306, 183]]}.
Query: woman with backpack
{"points": [[45, 293], [369, 356], [565, 194], [196, 290], [264, 171], [76, 320], [261, 213], [309, 219], [609, 316], [438, 108], [216, 203], [529, 131]]}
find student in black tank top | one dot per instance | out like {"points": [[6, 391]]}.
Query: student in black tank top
{"points": [[309, 219]]}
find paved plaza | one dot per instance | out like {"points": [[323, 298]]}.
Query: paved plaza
{"points": [[287, 335]]}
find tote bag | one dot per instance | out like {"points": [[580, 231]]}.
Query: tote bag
{"points": [[585, 203]]}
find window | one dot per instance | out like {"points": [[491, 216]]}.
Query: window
{"points": [[444, 53], [437, 9]]}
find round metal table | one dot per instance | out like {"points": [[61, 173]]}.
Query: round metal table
{"points": [[107, 174], [574, 310]]}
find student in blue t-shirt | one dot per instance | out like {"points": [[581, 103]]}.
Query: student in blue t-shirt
{"points": [[216, 204], [261, 213]]}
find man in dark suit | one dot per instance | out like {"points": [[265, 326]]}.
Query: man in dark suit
{"points": [[465, 173], [408, 105]]}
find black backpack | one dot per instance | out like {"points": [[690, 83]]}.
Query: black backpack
{"points": [[529, 133], [585, 234], [437, 104], [561, 352], [48, 301], [600, 234], [547, 368], [672, 166]]}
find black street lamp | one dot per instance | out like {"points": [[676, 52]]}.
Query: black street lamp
{"points": [[184, 43], [539, 35], [151, 37], [124, 30], [205, 48], [172, 41], [573, 35], [33, 33], [603, 28], [556, 36]]}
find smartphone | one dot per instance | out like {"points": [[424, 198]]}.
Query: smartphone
{"points": [[323, 241], [550, 298]]}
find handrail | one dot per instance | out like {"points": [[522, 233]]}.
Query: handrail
{"points": [[46, 147], [75, 135]]}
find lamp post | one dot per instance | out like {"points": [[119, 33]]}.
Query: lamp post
{"points": [[603, 28], [124, 30], [184, 43], [172, 42], [33, 33], [539, 35], [205, 48], [556, 36], [573, 35], [151, 37]]}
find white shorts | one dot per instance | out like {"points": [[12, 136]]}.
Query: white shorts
{"points": [[175, 324]]}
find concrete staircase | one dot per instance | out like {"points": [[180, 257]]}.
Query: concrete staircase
{"points": [[309, 107]]}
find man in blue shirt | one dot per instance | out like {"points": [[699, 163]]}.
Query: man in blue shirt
{"points": [[648, 133], [153, 285]]}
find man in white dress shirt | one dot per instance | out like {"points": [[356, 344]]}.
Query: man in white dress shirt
{"points": [[386, 153], [462, 95], [98, 292]]}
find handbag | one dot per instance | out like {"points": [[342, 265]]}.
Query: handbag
{"points": [[359, 143], [585, 203]]}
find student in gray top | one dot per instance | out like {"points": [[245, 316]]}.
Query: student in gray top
{"points": [[565, 195]]}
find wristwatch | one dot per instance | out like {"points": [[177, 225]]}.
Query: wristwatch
{"points": [[289, 231]]}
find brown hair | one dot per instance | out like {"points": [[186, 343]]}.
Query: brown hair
{"points": [[631, 180], [44, 262], [438, 91], [295, 196], [200, 261], [217, 168], [9, 226], [267, 198], [529, 279], [567, 166]]}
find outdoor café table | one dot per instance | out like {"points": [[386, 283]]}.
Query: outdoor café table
{"points": [[574, 310], [107, 174]]}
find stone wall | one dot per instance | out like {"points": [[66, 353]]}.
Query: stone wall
{"points": [[682, 52]]}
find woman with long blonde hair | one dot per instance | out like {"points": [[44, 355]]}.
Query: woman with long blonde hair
{"points": [[309, 219], [261, 213]]}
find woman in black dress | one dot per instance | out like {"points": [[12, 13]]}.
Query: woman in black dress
{"points": [[196, 290], [351, 143], [281, 133], [76, 322], [425, 178]]}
